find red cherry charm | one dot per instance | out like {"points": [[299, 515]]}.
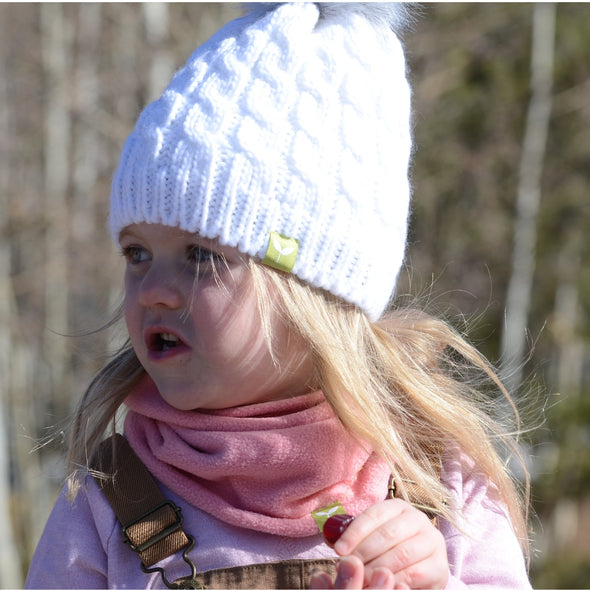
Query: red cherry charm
{"points": [[335, 526]]}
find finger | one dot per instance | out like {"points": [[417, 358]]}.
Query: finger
{"points": [[417, 577], [350, 573], [418, 562], [380, 532], [410, 551], [366, 523], [433, 573], [381, 578], [320, 581]]}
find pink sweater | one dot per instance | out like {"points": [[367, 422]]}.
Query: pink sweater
{"points": [[82, 546]]}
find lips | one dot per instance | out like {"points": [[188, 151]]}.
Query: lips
{"points": [[161, 342]]}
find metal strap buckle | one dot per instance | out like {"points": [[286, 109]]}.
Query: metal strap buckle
{"points": [[187, 582], [173, 527]]}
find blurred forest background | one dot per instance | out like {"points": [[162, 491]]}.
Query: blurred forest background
{"points": [[499, 237]]}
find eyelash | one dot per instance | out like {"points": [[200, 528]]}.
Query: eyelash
{"points": [[196, 254], [128, 252], [199, 254]]}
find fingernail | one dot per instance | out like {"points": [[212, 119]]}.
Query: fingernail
{"points": [[319, 580], [345, 570], [342, 547], [379, 579]]}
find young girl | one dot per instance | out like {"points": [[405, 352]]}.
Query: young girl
{"points": [[261, 206]]}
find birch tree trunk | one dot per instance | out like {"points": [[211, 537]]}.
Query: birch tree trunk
{"points": [[156, 25], [514, 336], [87, 148], [56, 62], [568, 317], [564, 525], [9, 559]]}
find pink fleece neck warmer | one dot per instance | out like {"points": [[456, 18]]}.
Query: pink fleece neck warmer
{"points": [[264, 466]]}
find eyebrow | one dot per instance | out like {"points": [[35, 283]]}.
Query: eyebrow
{"points": [[198, 240], [126, 232]]}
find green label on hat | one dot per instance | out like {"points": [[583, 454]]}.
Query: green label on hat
{"points": [[281, 252]]}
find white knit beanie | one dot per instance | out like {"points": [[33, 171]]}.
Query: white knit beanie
{"points": [[287, 136]]}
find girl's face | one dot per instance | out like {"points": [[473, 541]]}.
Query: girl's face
{"points": [[192, 315]]}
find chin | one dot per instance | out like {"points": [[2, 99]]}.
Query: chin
{"points": [[178, 400]]}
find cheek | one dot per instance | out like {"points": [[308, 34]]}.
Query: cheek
{"points": [[230, 318], [130, 311], [247, 319]]}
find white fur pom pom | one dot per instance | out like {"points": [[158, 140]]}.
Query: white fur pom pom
{"points": [[395, 16], [391, 15]]}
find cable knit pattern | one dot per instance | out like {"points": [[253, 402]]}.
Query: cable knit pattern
{"points": [[264, 467], [284, 121]]}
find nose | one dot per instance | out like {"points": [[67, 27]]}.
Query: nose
{"points": [[161, 287]]}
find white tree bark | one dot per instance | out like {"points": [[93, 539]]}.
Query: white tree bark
{"points": [[56, 62], [156, 25], [87, 146], [9, 559], [10, 576], [565, 524], [514, 336], [571, 349]]}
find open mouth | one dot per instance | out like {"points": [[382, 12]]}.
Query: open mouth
{"points": [[163, 341]]}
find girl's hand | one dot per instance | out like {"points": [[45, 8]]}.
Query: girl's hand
{"points": [[350, 575], [391, 535]]}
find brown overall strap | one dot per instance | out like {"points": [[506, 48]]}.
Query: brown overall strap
{"points": [[151, 525]]}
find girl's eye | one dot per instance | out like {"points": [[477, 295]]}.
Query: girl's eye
{"points": [[201, 255], [135, 254]]}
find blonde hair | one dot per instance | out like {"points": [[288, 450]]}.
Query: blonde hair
{"points": [[406, 386]]}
